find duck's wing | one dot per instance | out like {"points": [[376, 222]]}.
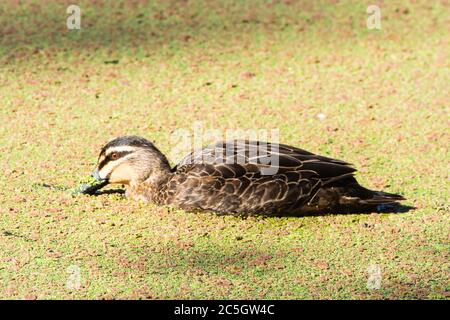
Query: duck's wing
{"points": [[237, 157], [257, 177], [250, 176]]}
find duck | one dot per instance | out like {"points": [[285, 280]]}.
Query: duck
{"points": [[237, 177]]}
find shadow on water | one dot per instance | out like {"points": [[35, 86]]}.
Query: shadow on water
{"points": [[391, 208], [109, 191], [71, 190]]}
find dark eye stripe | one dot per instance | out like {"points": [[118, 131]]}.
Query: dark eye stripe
{"points": [[108, 158]]}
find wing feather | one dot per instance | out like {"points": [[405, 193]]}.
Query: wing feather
{"points": [[240, 157], [229, 177]]}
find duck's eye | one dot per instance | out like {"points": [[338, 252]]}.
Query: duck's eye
{"points": [[114, 156]]}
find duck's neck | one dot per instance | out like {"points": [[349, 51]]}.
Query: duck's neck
{"points": [[159, 172], [158, 177]]}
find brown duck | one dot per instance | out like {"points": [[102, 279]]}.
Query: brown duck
{"points": [[240, 176]]}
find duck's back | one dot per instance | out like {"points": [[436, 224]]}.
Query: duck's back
{"points": [[256, 177]]}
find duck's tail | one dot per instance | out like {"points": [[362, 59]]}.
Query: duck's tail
{"points": [[380, 197], [349, 193], [356, 195]]}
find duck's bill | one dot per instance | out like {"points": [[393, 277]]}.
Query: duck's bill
{"points": [[90, 188], [95, 183]]}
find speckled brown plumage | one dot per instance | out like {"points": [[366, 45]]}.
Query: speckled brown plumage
{"points": [[231, 177]]}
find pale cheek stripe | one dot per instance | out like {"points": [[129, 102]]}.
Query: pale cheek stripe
{"points": [[107, 170]]}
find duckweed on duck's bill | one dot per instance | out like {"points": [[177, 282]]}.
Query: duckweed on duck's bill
{"points": [[89, 186]]}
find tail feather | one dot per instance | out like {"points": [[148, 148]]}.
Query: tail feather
{"points": [[355, 194], [380, 197], [347, 194]]}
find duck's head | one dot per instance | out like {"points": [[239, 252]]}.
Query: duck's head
{"points": [[130, 160]]}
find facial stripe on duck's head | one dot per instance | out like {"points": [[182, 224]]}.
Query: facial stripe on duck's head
{"points": [[112, 155], [120, 147], [129, 159]]}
